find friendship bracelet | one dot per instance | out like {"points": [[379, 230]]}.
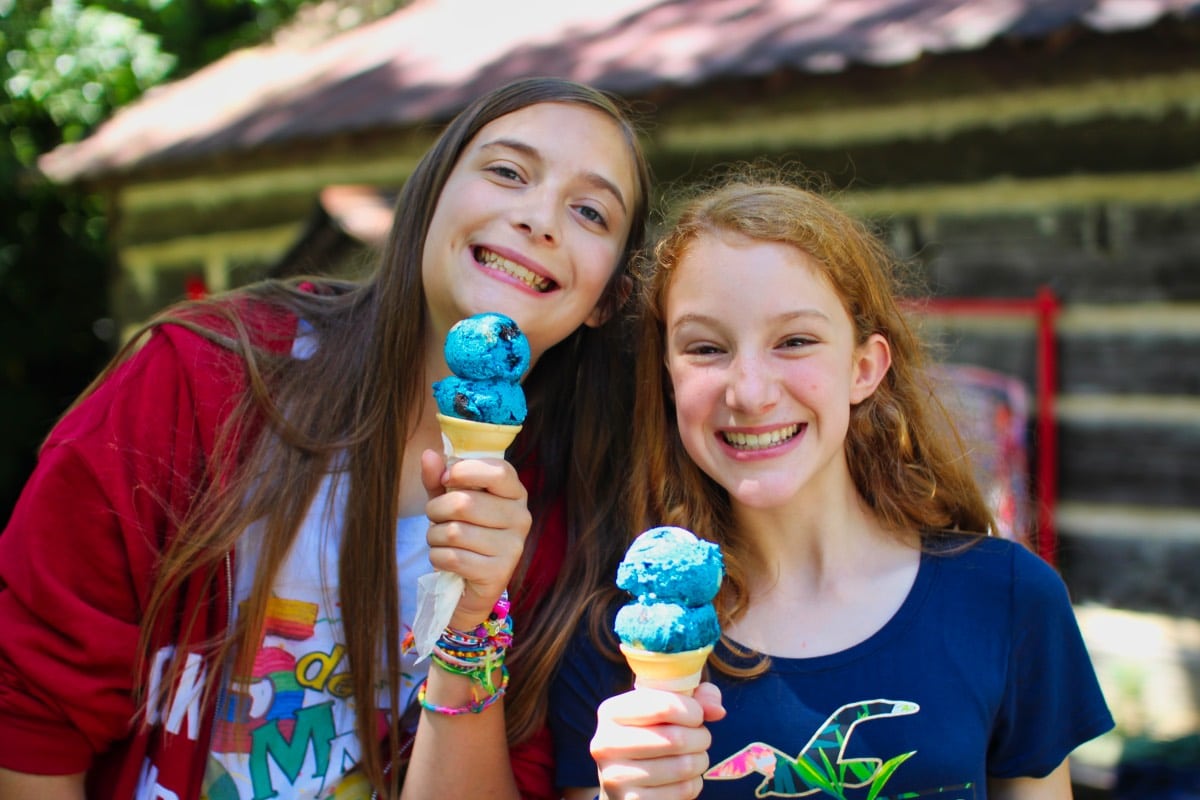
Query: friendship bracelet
{"points": [[479, 671], [452, 644], [497, 628], [493, 634], [468, 661], [473, 707], [476, 655]]}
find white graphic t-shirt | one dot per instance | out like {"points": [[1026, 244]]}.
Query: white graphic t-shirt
{"points": [[287, 730]]}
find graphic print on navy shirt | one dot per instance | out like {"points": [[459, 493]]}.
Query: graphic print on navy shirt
{"points": [[823, 767]]}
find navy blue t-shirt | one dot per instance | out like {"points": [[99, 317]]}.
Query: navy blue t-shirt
{"points": [[981, 673]]}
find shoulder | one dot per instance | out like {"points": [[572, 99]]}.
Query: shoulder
{"points": [[585, 676], [585, 662], [994, 558], [207, 346], [1005, 573], [175, 387], [234, 321]]}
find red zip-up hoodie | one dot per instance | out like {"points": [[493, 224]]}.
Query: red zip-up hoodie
{"points": [[77, 562]]}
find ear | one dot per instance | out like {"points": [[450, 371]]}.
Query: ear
{"points": [[610, 301], [872, 359]]}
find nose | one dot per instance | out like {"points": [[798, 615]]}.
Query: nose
{"points": [[537, 216], [753, 386]]}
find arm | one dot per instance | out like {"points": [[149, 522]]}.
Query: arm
{"points": [[479, 515], [1055, 786], [21, 786], [652, 744], [69, 626], [453, 756]]}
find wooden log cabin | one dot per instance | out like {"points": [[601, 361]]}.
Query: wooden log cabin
{"points": [[1014, 150]]}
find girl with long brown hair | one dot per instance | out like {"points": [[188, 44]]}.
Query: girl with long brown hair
{"points": [[206, 583], [876, 641]]}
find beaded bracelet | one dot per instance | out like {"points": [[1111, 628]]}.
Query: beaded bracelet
{"points": [[476, 655], [496, 629], [494, 633], [474, 707]]}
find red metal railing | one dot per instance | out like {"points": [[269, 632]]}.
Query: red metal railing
{"points": [[1044, 308]]}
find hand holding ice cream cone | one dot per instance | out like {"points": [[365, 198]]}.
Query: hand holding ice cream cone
{"points": [[481, 408], [666, 633]]}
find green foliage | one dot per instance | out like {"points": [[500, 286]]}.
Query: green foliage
{"points": [[197, 32], [77, 63], [66, 66]]}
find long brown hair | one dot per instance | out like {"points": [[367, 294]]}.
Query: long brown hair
{"points": [[354, 398], [905, 458]]}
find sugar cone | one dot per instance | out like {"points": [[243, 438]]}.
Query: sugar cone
{"points": [[673, 672], [465, 438]]}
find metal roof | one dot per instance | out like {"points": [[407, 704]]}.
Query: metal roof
{"points": [[426, 61]]}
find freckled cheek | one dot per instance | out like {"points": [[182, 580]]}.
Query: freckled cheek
{"points": [[810, 384], [696, 398]]}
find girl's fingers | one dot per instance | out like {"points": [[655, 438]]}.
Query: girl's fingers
{"points": [[492, 475], [486, 574], [633, 743], [478, 529], [479, 494], [709, 697], [637, 743], [646, 707], [653, 744], [636, 767], [671, 778], [474, 508], [433, 470], [493, 564]]}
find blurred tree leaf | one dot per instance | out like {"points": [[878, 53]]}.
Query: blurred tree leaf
{"points": [[74, 65], [65, 66]]}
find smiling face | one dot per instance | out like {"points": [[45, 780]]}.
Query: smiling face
{"points": [[764, 369], [532, 222]]}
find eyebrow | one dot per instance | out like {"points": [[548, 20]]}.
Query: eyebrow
{"points": [[787, 316], [595, 179]]}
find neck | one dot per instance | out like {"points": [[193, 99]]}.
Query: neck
{"points": [[819, 542], [831, 570]]}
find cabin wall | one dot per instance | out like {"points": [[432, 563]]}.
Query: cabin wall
{"points": [[1127, 419], [227, 227]]}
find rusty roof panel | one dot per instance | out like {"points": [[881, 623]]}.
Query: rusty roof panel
{"points": [[423, 63]]}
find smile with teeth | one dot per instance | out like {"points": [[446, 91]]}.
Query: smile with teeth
{"points": [[760, 441], [525, 276]]}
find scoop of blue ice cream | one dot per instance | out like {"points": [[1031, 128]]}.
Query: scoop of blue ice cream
{"points": [[667, 627], [673, 576], [488, 354], [498, 402], [487, 346], [671, 564]]}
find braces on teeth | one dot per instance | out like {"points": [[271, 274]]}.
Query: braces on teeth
{"points": [[530, 279]]}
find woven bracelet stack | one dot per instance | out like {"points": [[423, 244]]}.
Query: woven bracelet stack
{"points": [[475, 655]]}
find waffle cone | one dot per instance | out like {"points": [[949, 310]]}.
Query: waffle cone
{"points": [[673, 672], [465, 438]]}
